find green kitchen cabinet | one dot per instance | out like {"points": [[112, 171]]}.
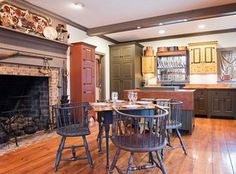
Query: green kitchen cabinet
{"points": [[125, 67]]}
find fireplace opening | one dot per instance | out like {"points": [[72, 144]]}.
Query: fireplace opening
{"points": [[24, 105]]}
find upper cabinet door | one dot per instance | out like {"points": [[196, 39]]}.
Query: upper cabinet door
{"points": [[88, 54], [116, 55], [127, 54], [196, 55], [208, 54], [203, 57]]}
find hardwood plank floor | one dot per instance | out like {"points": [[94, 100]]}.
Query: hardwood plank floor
{"points": [[211, 150]]}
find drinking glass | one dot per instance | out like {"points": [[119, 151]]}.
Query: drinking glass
{"points": [[114, 96], [135, 97], [130, 96]]}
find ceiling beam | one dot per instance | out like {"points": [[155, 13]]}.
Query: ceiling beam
{"points": [[204, 13], [231, 30]]}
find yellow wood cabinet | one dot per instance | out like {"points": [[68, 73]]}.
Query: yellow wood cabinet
{"points": [[148, 64], [203, 57]]}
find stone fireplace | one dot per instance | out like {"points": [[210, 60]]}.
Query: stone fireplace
{"points": [[32, 78]]}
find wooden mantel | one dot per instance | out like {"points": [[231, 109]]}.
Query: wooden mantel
{"points": [[36, 47]]}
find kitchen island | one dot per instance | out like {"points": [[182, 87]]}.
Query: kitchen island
{"points": [[186, 96]]}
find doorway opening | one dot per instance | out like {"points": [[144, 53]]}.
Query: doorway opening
{"points": [[100, 76]]}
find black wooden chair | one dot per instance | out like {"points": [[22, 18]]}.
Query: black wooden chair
{"points": [[72, 121], [139, 134], [173, 123]]}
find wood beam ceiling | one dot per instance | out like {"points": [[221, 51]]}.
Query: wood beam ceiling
{"points": [[192, 15]]}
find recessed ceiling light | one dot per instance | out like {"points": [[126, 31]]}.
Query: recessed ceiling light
{"points": [[160, 23], [78, 5], [201, 26], [138, 27], [161, 31], [185, 20]]}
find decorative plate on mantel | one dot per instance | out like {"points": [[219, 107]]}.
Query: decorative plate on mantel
{"points": [[50, 33]]}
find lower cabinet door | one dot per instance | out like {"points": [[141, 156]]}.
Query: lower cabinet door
{"points": [[200, 105], [217, 106], [228, 106], [201, 102]]}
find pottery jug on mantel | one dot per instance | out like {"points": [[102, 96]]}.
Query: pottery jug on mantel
{"points": [[149, 51]]}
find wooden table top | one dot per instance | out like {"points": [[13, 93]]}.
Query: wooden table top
{"points": [[124, 105]]}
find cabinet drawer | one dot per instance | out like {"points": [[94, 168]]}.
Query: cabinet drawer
{"points": [[221, 92], [200, 92]]}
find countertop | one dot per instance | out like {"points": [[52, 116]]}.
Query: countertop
{"points": [[160, 87], [210, 86], [164, 90]]}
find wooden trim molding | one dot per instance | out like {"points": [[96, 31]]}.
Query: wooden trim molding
{"points": [[109, 39], [191, 15], [202, 43], [127, 43]]}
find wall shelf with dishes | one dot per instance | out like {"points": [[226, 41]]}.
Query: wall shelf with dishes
{"points": [[172, 65]]}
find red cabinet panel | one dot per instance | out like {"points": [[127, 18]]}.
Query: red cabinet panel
{"points": [[82, 72]]}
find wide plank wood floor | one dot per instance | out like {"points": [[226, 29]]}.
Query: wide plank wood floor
{"points": [[211, 150]]}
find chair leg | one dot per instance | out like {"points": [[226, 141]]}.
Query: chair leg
{"points": [[162, 154], [181, 141], [88, 152], [115, 159], [59, 153], [99, 137], [168, 137], [162, 166], [150, 157], [130, 162]]}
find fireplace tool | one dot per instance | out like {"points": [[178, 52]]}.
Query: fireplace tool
{"points": [[65, 74], [46, 69]]}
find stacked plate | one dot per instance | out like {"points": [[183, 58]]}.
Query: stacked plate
{"points": [[144, 102]]}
